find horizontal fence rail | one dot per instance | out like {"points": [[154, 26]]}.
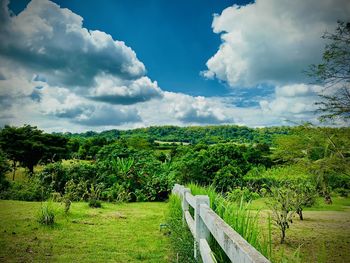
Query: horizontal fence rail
{"points": [[206, 222]]}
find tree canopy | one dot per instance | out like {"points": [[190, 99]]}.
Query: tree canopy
{"points": [[334, 74], [28, 145]]}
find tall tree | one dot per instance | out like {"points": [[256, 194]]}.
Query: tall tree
{"points": [[334, 74], [28, 145]]}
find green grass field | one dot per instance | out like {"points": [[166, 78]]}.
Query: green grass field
{"points": [[130, 233], [113, 233]]}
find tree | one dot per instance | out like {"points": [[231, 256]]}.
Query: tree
{"points": [[4, 167], [334, 74], [282, 207], [28, 145]]}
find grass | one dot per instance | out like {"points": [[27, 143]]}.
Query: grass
{"points": [[113, 233], [323, 235]]}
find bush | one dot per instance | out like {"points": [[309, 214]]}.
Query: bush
{"points": [[46, 214], [94, 203], [243, 194], [31, 190], [77, 191], [117, 193], [94, 196]]}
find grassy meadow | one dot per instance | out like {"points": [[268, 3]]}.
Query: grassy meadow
{"points": [[323, 235], [113, 233]]}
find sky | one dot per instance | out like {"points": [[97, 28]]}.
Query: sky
{"points": [[96, 65]]}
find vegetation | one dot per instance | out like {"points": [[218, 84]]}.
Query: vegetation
{"points": [[46, 215], [334, 74], [120, 233], [289, 168]]}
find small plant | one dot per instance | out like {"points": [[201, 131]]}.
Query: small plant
{"points": [[46, 214], [94, 196], [95, 203], [117, 193], [66, 200], [283, 208]]}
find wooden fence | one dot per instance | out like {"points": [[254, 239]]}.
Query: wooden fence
{"points": [[206, 222]]}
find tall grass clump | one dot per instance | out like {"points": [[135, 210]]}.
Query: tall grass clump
{"points": [[180, 236], [46, 215], [238, 215]]}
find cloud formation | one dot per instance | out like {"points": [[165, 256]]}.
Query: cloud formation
{"points": [[51, 43], [118, 91], [272, 41], [58, 75]]}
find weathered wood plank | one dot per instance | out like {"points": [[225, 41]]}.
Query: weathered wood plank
{"points": [[235, 246], [206, 254], [190, 222], [190, 199]]}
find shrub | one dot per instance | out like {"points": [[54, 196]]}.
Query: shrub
{"points": [[46, 214], [77, 191], [117, 193], [95, 203], [31, 190], [94, 195], [238, 194]]}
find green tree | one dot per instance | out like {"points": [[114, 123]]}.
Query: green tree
{"points": [[334, 74], [282, 206], [28, 145], [4, 167]]}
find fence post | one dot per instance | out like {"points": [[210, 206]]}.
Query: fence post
{"points": [[184, 205], [201, 230]]}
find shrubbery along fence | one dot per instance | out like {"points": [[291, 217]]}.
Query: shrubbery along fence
{"points": [[206, 222]]}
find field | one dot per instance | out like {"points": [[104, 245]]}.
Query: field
{"points": [[114, 233], [323, 235]]}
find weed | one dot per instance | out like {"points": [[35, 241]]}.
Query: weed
{"points": [[46, 215]]}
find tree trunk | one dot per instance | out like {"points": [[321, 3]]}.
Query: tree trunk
{"points": [[300, 213], [14, 170], [283, 235], [327, 198], [31, 169]]}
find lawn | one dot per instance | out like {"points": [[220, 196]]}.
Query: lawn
{"points": [[323, 235], [114, 233]]}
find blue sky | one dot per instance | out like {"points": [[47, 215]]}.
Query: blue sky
{"points": [[97, 65], [173, 39]]}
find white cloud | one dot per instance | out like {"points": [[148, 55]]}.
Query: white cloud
{"points": [[272, 41], [58, 75], [295, 103], [51, 42], [118, 91]]}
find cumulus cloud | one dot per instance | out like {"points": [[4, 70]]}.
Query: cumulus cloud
{"points": [[62, 71], [180, 109], [118, 91], [51, 43], [68, 105], [58, 75], [52, 40], [293, 102], [272, 41]]}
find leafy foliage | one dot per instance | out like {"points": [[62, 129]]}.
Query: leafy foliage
{"points": [[46, 214], [28, 145], [334, 73]]}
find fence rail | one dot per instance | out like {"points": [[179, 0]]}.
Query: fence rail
{"points": [[206, 222]]}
